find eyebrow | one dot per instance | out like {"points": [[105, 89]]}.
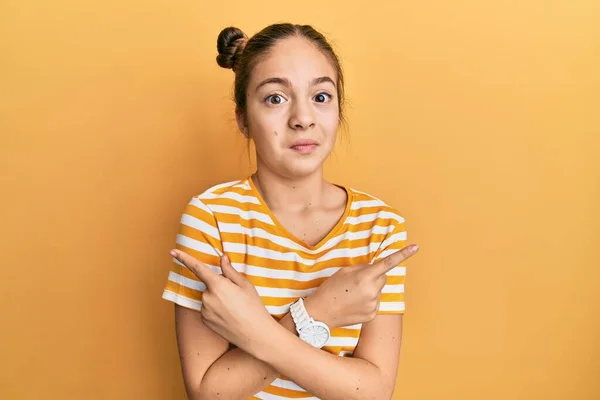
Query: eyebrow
{"points": [[286, 82]]}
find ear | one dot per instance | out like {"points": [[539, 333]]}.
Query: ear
{"points": [[241, 122]]}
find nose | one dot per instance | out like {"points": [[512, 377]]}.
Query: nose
{"points": [[302, 116]]}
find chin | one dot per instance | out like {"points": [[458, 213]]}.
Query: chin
{"points": [[303, 168]]}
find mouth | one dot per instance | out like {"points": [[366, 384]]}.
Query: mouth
{"points": [[304, 146]]}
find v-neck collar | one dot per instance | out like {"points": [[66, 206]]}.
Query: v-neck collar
{"points": [[282, 230]]}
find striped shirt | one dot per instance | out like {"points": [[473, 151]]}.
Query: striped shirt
{"points": [[233, 218]]}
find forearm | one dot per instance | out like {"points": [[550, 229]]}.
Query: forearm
{"points": [[239, 375], [323, 374]]}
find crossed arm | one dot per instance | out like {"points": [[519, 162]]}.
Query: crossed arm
{"points": [[211, 371], [267, 348]]}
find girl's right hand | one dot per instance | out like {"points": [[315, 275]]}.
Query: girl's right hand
{"points": [[351, 295]]}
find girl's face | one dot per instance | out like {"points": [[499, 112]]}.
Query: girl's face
{"points": [[292, 111]]}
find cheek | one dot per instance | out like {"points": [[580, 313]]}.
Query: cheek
{"points": [[265, 133], [331, 123]]}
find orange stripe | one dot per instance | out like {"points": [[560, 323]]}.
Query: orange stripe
{"points": [[284, 283], [343, 332], [395, 280], [336, 350], [252, 223], [202, 257], [289, 393], [370, 210], [392, 297], [200, 236], [390, 312], [296, 266], [197, 212], [269, 244], [232, 203], [184, 291]]}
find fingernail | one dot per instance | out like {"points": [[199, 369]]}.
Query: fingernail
{"points": [[414, 248], [226, 258], [172, 252]]}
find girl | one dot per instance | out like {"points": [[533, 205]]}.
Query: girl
{"points": [[285, 285]]}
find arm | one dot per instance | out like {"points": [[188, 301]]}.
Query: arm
{"points": [[370, 374], [206, 361], [250, 374]]}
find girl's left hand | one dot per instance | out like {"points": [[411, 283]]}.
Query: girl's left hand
{"points": [[231, 306]]}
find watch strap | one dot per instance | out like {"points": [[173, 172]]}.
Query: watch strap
{"points": [[300, 315]]}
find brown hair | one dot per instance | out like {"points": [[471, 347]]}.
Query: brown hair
{"points": [[241, 54]]}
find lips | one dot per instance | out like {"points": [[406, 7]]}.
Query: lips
{"points": [[304, 146]]}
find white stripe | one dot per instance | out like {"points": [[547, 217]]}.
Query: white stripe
{"points": [[396, 237], [197, 203], [393, 288], [200, 225], [187, 282], [367, 203], [356, 326], [341, 341], [182, 300], [291, 256], [253, 270], [372, 217], [354, 236], [286, 242], [244, 185], [277, 310], [391, 306], [283, 292], [247, 215], [397, 271], [242, 248], [220, 185], [350, 253], [197, 245], [361, 218], [285, 384], [231, 195], [268, 396]]}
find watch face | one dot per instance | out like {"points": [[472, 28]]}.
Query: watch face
{"points": [[316, 334]]}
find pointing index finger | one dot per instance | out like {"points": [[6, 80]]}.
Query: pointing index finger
{"points": [[393, 260], [203, 273]]}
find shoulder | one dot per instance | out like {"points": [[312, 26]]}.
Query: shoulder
{"points": [[224, 193], [364, 204], [229, 198]]}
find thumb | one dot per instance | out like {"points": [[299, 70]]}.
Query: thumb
{"points": [[229, 272]]}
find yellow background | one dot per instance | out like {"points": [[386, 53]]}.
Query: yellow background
{"points": [[479, 121]]}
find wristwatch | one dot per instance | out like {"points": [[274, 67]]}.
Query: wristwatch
{"points": [[312, 332]]}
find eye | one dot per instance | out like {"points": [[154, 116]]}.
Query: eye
{"points": [[275, 99], [322, 97]]}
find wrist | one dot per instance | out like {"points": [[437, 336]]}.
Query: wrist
{"points": [[262, 340], [317, 313]]}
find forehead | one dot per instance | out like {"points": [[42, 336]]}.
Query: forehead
{"points": [[296, 59]]}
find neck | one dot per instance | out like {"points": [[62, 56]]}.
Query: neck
{"points": [[296, 194]]}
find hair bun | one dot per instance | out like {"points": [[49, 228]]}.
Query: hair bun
{"points": [[230, 44]]}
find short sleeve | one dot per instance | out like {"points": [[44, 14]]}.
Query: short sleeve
{"points": [[392, 295], [199, 237]]}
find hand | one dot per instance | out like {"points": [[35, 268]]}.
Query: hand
{"points": [[351, 295], [231, 307]]}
